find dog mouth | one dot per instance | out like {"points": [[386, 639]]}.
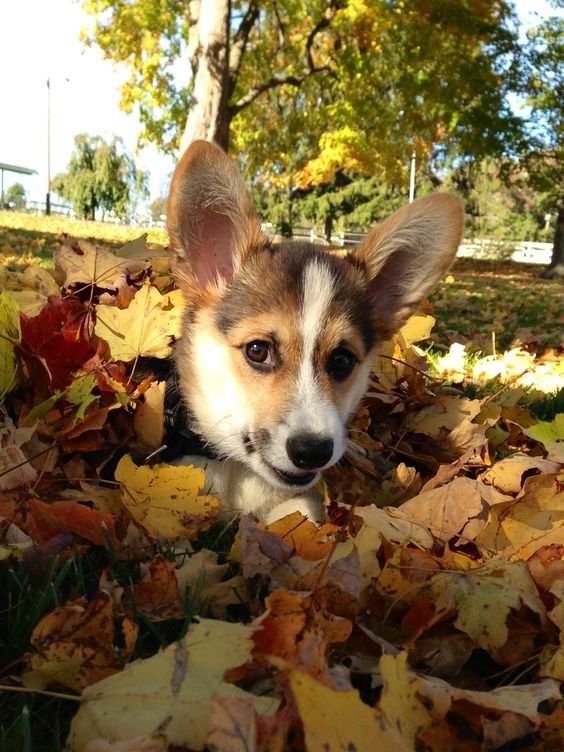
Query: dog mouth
{"points": [[294, 478]]}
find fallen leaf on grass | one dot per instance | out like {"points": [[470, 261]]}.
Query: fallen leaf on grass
{"points": [[45, 521], [165, 499], [158, 597], [551, 435], [84, 264], [417, 705], [146, 327], [459, 508], [445, 414], [74, 644], [10, 336], [400, 703], [137, 744], [15, 470], [233, 726], [395, 526], [533, 520], [260, 549], [60, 337], [483, 599], [149, 416], [296, 629], [201, 577], [339, 721], [309, 541], [170, 693], [507, 474]]}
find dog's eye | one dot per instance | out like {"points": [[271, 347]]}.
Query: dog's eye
{"points": [[341, 363], [258, 354]]}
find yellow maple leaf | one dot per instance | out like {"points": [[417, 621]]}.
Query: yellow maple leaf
{"points": [[551, 435], [165, 500], [336, 721], [400, 702], [74, 644], [146, 327], [169, 693], [484, 598], [9, 336]]}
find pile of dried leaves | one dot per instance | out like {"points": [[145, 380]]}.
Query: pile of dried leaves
{"points": [[428, 613]]}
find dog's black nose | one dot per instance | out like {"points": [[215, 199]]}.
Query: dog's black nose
{"points": [[308, 451]]}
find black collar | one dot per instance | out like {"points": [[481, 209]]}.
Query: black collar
{"points": [[180, 436]]}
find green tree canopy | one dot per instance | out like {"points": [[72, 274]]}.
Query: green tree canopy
{"points": [[545, 90], [306, 88], [15, 195], [101, 176]]}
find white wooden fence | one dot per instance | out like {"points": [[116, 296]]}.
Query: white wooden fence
{"points": [[523, 252]]}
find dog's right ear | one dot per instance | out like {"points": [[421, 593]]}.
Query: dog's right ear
{"points": [[211, 219]]}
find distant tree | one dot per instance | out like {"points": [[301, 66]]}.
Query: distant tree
{"points": [[15, 196], [101, 177], [500, 201], [545, 89], [158, 208]]}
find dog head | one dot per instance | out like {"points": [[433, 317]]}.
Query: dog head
{"points": [[278, 338]]}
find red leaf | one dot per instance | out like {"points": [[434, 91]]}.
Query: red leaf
{"points": [[60, 336], [44, 521]]}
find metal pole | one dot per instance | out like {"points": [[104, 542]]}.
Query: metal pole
{"points": [[48, 196], [412, 178]]}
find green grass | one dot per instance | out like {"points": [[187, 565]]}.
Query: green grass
{"points": [[483, 302]]}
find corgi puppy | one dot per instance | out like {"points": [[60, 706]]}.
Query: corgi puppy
{"points": [[278, 337]]}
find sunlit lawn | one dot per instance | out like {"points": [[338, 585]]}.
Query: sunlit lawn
{"points": [[31, 239], [484, 304]]}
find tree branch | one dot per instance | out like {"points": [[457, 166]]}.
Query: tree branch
{"points": [[289, 80], [239, 43]]}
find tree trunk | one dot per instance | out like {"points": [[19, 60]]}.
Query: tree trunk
{"points": [[328, 228], [556, 266], [209, 116]]}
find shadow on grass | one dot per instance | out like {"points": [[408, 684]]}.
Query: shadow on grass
{"points": [[498, 303]]}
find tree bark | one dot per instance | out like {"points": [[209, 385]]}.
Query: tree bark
{"points": [[209, 116], [556, 266]]}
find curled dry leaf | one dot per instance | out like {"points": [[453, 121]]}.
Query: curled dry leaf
{"points": [[509, 474], [534, 520], [74, 644], [551, 435], [201, 576], [158, 597], [296, 629], [83, 264]]}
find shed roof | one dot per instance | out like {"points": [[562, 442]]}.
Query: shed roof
{"points": [[15, 168]]}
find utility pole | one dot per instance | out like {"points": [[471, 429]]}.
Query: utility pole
{"points": [[48, 196], [412, 178]]}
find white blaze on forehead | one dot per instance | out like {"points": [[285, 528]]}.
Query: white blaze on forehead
{"points": [[318, 293], [313, 412]]}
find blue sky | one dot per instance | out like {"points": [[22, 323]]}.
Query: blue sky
{"points": [[40, 39]]}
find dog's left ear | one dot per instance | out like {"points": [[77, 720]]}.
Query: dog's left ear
{"points": [[211, 218], [407, 254]]}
